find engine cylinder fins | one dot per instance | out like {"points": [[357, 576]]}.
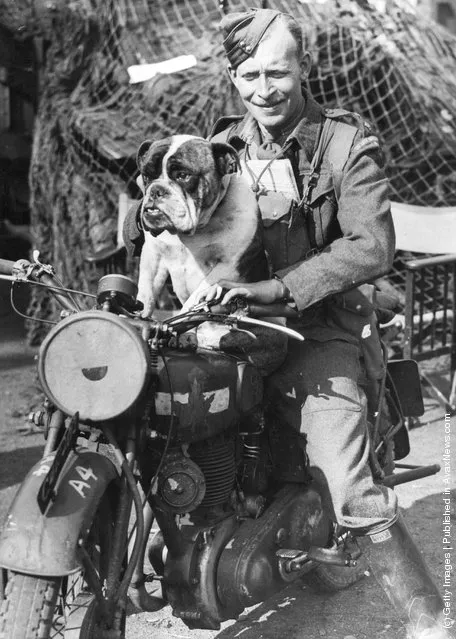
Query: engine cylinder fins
{"points": [[217, 461]]}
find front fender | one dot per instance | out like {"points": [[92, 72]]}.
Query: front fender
{"points": [[46, 544]]}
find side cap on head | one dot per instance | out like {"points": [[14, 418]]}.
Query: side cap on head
{"points": [[243, 31]]}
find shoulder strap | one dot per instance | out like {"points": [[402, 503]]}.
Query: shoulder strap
{"points": [[312, 179], [339, 150], [314, 172], [336, 139]]}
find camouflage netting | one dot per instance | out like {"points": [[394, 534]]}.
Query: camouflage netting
{"points": [[394, 68]]}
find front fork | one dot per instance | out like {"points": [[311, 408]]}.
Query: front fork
{"points": [[117, 588], [137, 592], [54, 424]]}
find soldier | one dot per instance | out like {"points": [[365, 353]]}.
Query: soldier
{"points": [[334, 236], [339, 236]]}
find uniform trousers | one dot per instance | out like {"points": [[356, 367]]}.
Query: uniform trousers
{"points": [[318, 391]]}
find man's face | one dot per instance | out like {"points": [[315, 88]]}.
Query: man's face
{"points": [[269, 82]]}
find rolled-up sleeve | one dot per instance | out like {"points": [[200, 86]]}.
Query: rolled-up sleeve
{"points": [[365, 250]]}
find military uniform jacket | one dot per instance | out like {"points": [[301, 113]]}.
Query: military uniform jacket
{"points": [[346, 236]]}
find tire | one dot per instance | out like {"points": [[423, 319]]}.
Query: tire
{"points": [[28, 607], [330, 578], [60, 607]]}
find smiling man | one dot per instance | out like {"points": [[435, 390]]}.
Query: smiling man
{"points": [[269, 82], [337, 234]]}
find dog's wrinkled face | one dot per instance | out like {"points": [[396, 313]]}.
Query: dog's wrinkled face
{"points": [[183, 179]]}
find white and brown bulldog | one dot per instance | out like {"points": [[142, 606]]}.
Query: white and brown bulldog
{"points": [[201, 220]]}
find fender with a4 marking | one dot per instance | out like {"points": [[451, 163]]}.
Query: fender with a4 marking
{"points": [[45, 544]]}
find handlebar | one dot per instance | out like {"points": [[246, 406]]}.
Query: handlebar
{"points": [[212, 311], [263, 310], [237, 312], [62, 298], [6, 266], [26, 273]]}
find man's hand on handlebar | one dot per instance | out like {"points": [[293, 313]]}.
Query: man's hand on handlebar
{"points": [[264, 292]]}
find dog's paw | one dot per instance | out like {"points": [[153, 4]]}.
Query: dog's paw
{"points": [[148, 306], [194, 298]]}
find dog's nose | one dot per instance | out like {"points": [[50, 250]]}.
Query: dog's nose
{"points": [[156, 191]]}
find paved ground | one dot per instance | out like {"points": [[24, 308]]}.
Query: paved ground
{"points": [[297, 612]]}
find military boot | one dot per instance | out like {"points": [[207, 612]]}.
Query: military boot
{"points": [[397, 565]]}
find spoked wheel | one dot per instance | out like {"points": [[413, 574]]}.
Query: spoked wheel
{"points": [[60, 607], [331, 578]]}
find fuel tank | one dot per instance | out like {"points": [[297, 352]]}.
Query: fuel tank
{"points": [[205, 391]]}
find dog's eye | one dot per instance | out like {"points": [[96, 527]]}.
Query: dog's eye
{"points": [[183, 176], [186, 179]]}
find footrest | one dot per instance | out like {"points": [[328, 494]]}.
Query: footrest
{"points": [[287, 553], [291, 560], [411, 474], [334, 556]]}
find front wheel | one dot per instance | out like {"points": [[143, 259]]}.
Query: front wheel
{"points": [[35, 607], [28, 607]]}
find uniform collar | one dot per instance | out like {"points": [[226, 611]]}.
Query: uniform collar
{"points": [[306, 133]]}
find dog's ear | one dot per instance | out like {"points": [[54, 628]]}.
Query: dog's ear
{"points": [[143, 148], [226, 158]]}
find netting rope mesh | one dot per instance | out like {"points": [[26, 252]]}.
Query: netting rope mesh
{"points": [[395, 68]]}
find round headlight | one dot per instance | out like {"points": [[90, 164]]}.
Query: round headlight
{"points": [[95, 363]]}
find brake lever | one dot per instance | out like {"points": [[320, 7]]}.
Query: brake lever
{"points": [[45, 268], [206, 305], [237, 304]]}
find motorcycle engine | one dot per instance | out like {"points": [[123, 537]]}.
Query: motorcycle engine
{"points": [[202, 396], [201, 478]]}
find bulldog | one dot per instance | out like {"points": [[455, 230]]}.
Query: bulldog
{"points": [[200, 219]]}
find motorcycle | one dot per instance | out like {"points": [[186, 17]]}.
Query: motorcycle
{"points": [[141, 425]]}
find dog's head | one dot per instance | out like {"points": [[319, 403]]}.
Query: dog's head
{"points": [[183, 181]]}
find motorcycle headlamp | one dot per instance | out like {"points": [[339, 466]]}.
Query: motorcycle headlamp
{"points": [[93, 362]]}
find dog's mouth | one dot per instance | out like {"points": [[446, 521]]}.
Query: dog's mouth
{"points": [[155, 221], [152, 210]]}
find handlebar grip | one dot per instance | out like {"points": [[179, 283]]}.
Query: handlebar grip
{"points": [[6, 266]]}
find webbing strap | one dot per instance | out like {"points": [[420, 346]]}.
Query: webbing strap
{"points": [[315, 164], [339, 150], [336, 138]]}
